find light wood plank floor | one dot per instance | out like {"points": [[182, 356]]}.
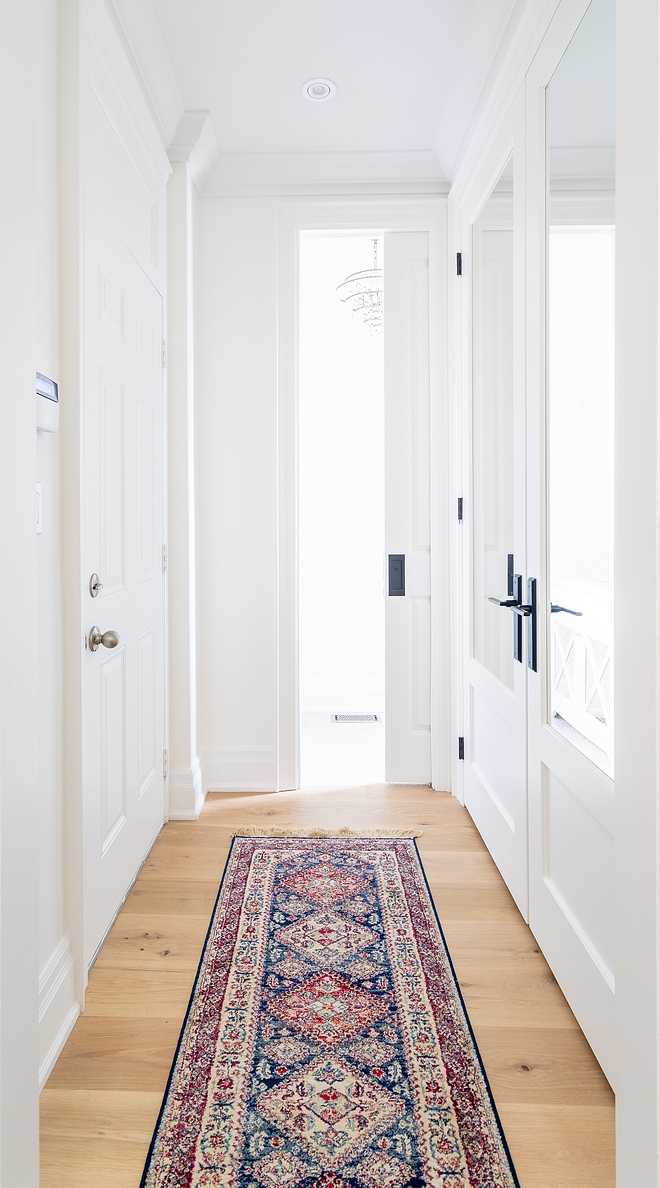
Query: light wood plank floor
{"points": [[100, 1104]]}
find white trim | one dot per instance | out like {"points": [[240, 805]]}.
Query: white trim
{"points": [[124, 104], [321, 172], [58, 1006], [242, 768], [50, 1059], [347, 215], [527, 37], [637, 584], [186, 793]]}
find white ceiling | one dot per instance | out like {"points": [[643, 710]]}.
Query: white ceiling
{"points": [[408, 75]]}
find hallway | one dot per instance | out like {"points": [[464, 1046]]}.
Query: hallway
{"points": [[100, 1105]]}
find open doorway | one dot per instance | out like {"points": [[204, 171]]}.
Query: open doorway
{"points": [[341, 510]]}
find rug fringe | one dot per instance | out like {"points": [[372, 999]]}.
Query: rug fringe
{"points": [[344, 831]]}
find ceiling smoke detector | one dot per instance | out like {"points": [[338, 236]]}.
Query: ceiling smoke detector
{"points": [[318, 89]]}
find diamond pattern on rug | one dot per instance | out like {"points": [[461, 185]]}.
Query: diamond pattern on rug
{"points": [[325, 884], [326, 1044], [292, 967], [329, 1009], [287, 1051], [326, 937], [382, 1171], [333, 1110], [280, 1169], [370, 1051], [363, 968]]}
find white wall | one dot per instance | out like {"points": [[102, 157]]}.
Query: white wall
{"points": [[56, 989], [18, 607], [341, 491], [637, 595], [236, 490]]}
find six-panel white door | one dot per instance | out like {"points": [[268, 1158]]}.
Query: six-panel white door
{"points": [[123, 687], [407, 507]]}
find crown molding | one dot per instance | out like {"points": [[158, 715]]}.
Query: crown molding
{"points": [[500, 91], [323, 173], [121, 97], [135, 24]]}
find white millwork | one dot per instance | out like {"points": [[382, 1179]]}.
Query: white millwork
{"points": [[571, 798], [123, 700], [537, 431], [407, 507], [494, 711]]}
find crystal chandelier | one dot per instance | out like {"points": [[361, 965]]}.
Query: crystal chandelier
{"points": [[362, 294]]}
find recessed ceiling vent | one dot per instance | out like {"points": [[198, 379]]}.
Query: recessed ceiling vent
{"points": [[317, 90]]}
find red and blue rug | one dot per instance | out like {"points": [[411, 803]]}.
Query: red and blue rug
{"points": [[326, 1043]]}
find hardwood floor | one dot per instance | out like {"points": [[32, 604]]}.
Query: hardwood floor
{"points": [[101, 1102]]}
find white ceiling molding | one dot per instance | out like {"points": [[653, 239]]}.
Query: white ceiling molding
{"points": [[195, 141], [138, 29], [508, 74], [324, 173], [121, 98], [491, 27]]}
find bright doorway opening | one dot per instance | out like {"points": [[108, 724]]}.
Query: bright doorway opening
{"points": [[341, 511]]}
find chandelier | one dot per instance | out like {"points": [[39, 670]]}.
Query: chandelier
{"points": [[362, 294]]}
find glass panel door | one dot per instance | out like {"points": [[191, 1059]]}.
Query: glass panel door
{"points": [[492, 428], [580, 385]]}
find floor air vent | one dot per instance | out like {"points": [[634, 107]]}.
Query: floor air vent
{"points": [[355, 718]]}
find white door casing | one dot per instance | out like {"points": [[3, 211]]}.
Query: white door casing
{"points": [[123, 704], [407, 507], [359, 215]]}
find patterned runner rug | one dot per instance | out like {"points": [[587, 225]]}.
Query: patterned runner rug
{"points": [[326, 1044]]}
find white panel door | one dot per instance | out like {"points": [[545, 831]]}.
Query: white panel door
{"points": [[407, 509], [123, 711], [494, 711], [570, 532]]}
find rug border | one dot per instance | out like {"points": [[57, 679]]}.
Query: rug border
{"points": [[191, 998], [468, 1022]]}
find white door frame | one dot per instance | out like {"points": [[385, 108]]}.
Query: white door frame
{"points": [[356, 215]]}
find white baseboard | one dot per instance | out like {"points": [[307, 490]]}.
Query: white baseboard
{"points": [[238, 769], [58, 1006], [342, 697], [186, 792]]}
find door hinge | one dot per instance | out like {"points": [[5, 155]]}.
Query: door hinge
{"points": [[166, 764], [460, 508], [459, 263], [164, 558], [163, 353], [461, 748]]}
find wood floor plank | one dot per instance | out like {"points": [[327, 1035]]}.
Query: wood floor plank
{"points": [[110, 994], [150, 941], [101, 1102], [561, 1146], [538, 1065]]}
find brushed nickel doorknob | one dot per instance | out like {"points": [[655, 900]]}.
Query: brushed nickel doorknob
{"points": [[109, 639]]}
